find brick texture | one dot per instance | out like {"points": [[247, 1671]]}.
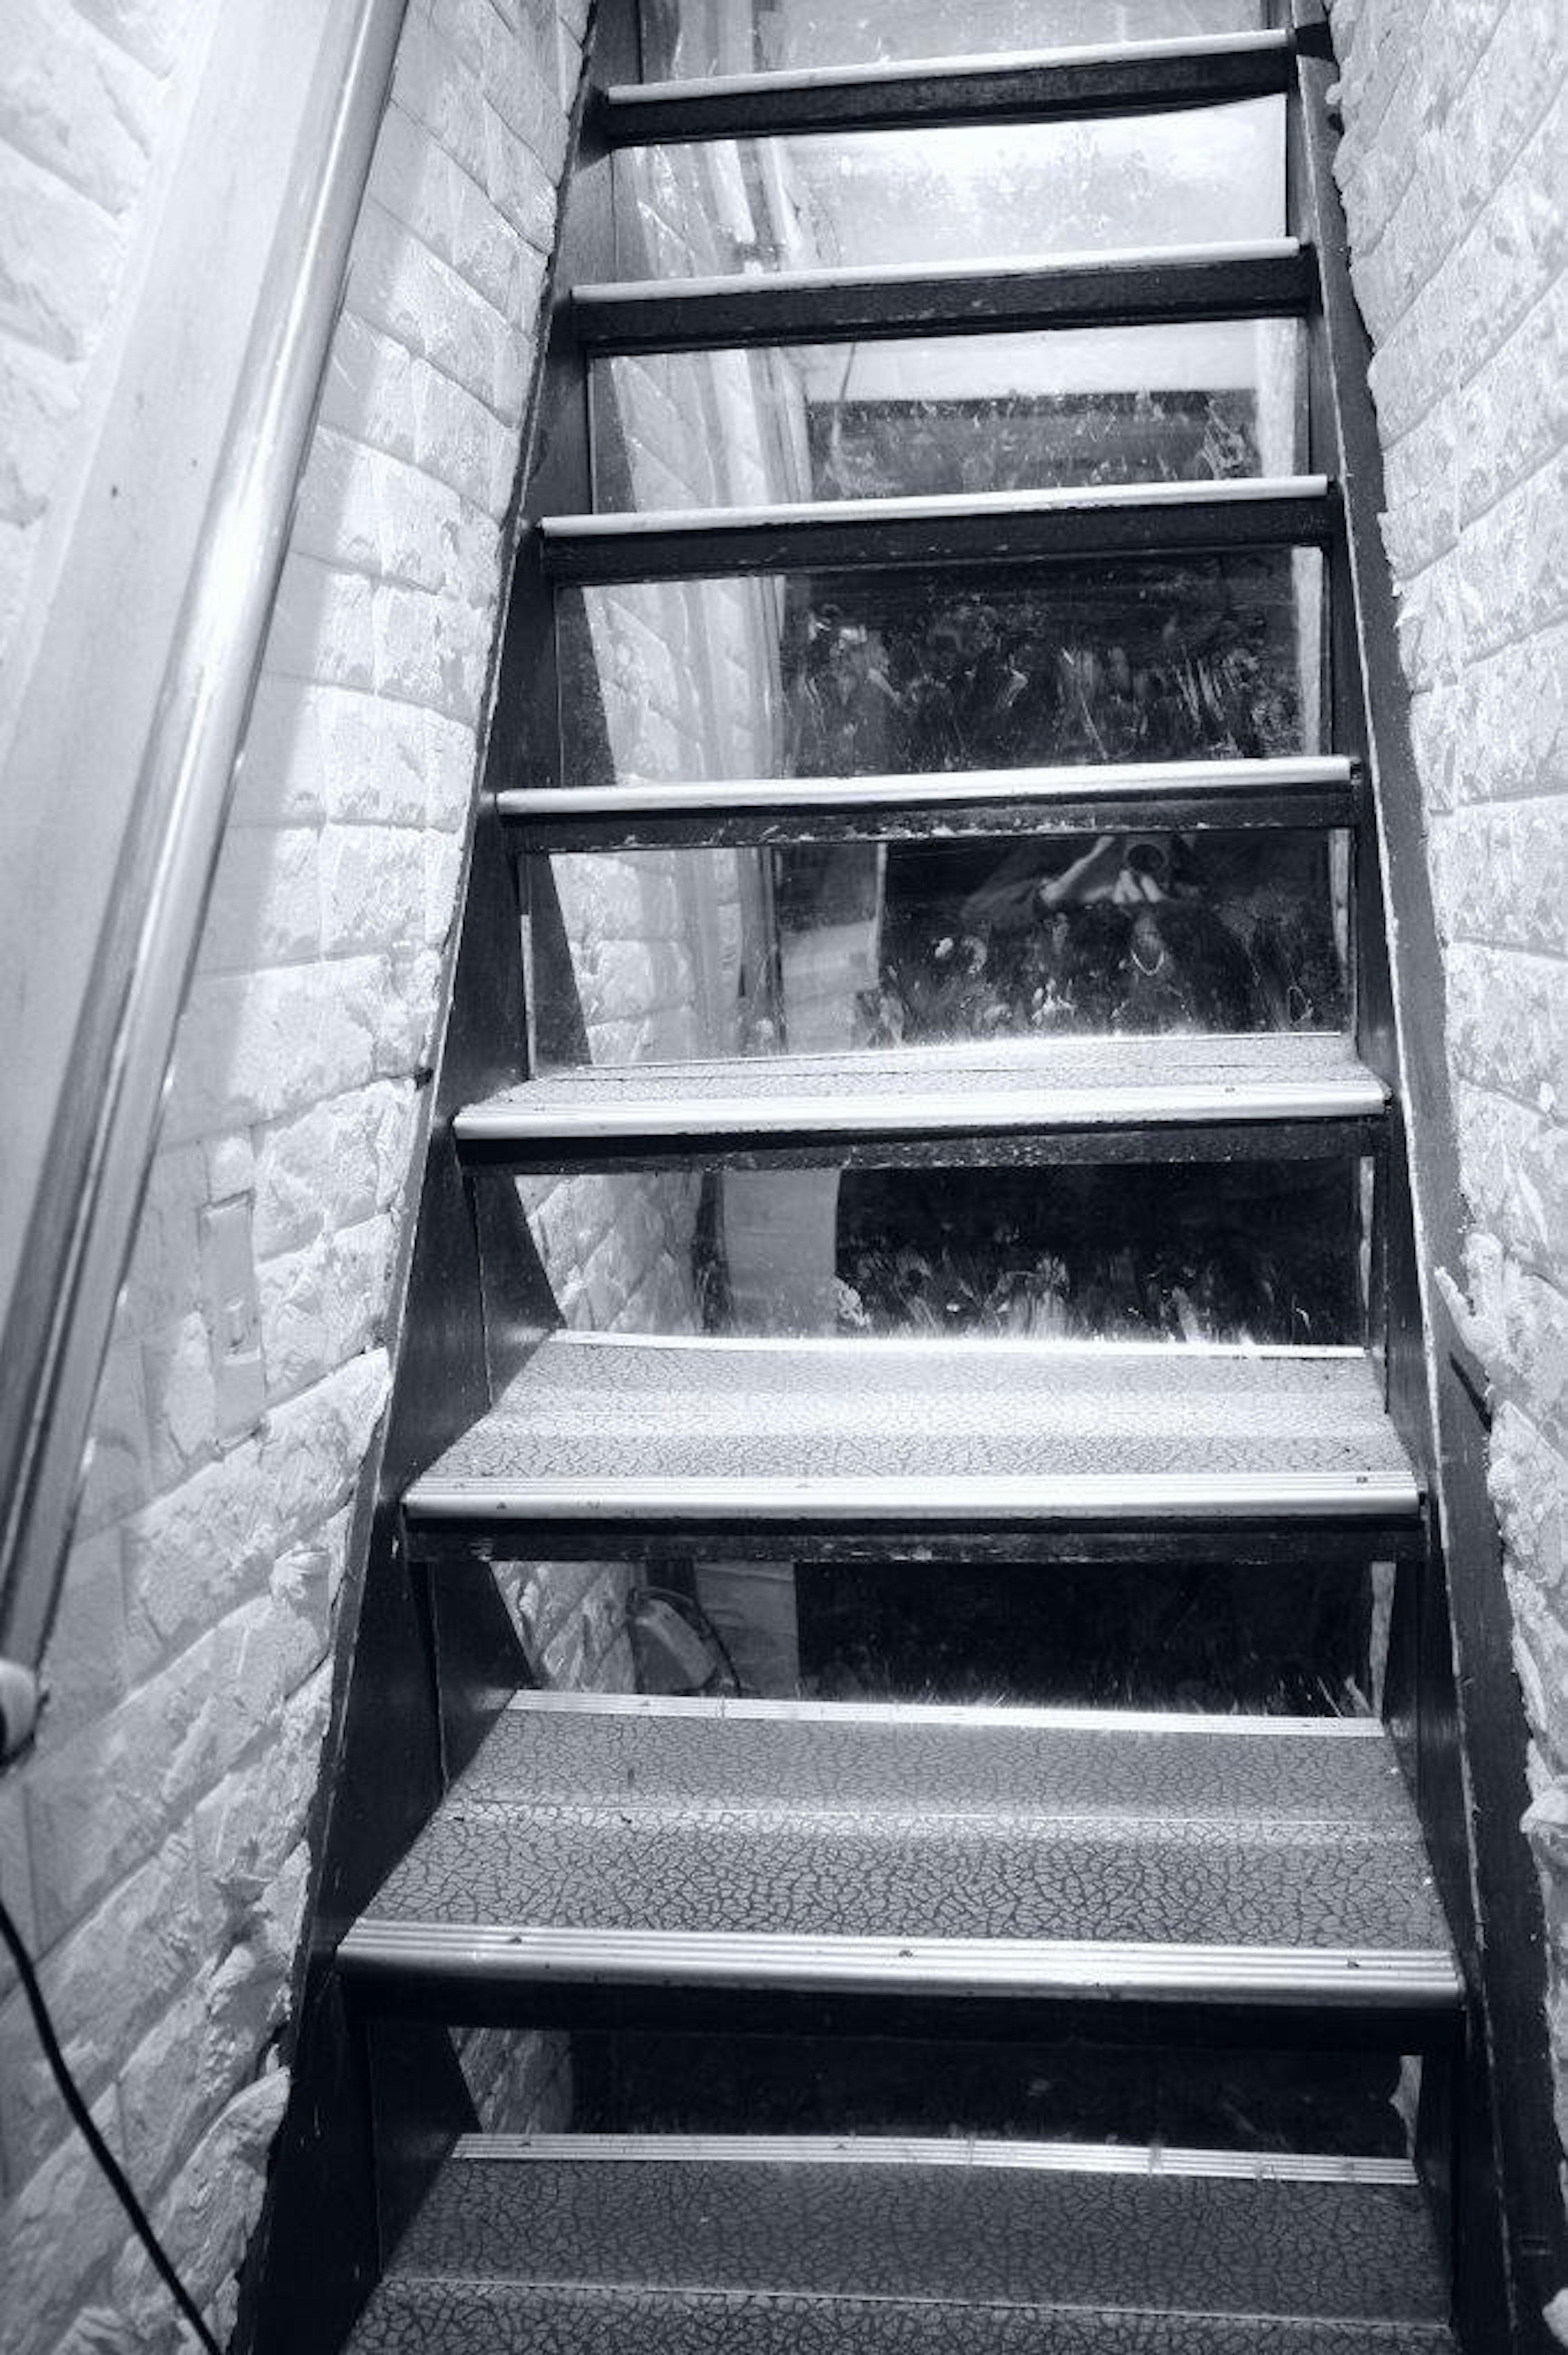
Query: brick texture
{"points": [[84, 102], [153, 1846], [1455, 174]]}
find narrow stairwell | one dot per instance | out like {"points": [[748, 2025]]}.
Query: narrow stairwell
{"points": [[1035, 845]]}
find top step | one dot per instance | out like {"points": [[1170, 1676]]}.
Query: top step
{"points": [[1044, 85]]}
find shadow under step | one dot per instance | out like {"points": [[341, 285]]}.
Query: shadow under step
{"points": [[642, 2247], [1168, 1096], [629, 1439], [1103, 1860]]}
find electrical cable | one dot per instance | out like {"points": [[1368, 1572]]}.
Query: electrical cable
{"points": [[692, 1611], [70, 2093]]}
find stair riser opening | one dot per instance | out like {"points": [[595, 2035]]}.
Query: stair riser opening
{"points": [[1158, 659], [1022, 190], [1200, 1637], [933, 415], [425, 1991], [1261, 2106], [1003, 947]]}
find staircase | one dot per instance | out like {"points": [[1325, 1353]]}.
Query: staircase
{"points": [[1246, 1889]]}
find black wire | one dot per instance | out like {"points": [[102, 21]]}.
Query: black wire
{"points": [[71, 2094], [691, 1609]]}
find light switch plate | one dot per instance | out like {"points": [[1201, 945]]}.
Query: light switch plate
{"points": [[233, 1316]]}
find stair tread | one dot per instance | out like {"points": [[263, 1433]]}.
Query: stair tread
{"points": [[1253, 278], [617, 2242], [1069, 524], [1075, 781], [1078, 1082], [1243, 490], [639, 292], [1025, 1850], [1054, 84], [598, 1424], [866, 83], [1305, 790]]}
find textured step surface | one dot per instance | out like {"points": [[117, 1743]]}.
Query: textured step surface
{"points": [[1042, 1086], [952, 1432], [821, 1844], [703, 2249]]}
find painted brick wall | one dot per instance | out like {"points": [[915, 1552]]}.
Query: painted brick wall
{"points": [[153, 1846], [90, 98], [1455, 172]]}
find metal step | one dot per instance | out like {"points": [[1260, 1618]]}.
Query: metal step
{"points": [[1272, 278], [1183, 1097], [626, 1439], [1141, 519], [1245, 1864], [1035, 86], [1307, 791], [638, 2245]]}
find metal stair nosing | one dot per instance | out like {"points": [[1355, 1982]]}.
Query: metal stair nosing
{"points": [[1042, 86], [1308, 792], [1137, 520], [1176, 285]]}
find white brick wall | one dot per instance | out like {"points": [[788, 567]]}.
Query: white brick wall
{"points": [[85, 100], [1455, 170], [153, 1846]]}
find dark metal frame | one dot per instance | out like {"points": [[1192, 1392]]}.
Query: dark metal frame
{"points": [[419, 1671], [1456, 1704]]}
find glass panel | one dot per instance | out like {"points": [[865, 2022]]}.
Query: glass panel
{"points": [[866, 673], [934, 414], [829, 948], [1212, 2100], [955, 195], [697, 38], [1260, 1252]]}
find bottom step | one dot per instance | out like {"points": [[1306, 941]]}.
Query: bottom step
{"points": [[634, 2245]]}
